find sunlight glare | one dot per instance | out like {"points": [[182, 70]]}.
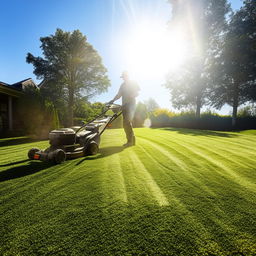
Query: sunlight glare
{"points": [[147, 123], [151, 51]]}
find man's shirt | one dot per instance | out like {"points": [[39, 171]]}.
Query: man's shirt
{"points": [[129, 91]]}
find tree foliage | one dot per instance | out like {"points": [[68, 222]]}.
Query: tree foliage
{"points": [[140, 115], [151, 105], [203, 23], [70, 68], [247, 111], [86, 111], [143, 111], [234, 72]]}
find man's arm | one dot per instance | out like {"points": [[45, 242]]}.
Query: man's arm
{"points": [[118, 96]]}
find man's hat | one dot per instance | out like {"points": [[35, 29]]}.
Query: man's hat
{"points": [[124, 74]]}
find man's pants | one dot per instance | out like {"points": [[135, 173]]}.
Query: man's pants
{"points": [[128, 113]]}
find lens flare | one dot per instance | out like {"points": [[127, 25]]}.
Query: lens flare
{"points": [[147, 123]]}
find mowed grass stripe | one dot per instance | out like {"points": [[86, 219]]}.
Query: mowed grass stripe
{"points": [[191, 172], [19, 152], [146, 178], [173, 154], [170, 192], [19, 147], [174, 193], [198, 181], [226, 163], [238, 157], [114, 180], [137, 190], [221, 153], [177, 138], [207, 160], [234, 149], [199, 137], [228, 160], [219, 160], [236, 161], [212, 164], [201, 164], [42, 179]]}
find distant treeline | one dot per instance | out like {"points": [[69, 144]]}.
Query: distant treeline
{"points": [[207, 121], [149, 114]]}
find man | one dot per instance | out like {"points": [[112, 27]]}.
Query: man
{"points": [[128, 91]]}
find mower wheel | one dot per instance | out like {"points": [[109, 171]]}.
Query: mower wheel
{"points": [[59, 156], [92, 148], [32, 152]]}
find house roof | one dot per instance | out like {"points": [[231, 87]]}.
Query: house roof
{"points": [[22, 84], [4, 84], [15, 89]]}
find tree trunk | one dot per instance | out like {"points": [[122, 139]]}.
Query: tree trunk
{"points": [[198, 106], [235, 105], [70, 106]]}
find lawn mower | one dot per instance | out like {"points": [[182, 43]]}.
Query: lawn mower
{"points": [[69, 143]]}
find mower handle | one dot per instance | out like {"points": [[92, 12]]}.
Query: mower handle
{"points": [[112, 104], [109, 106]]}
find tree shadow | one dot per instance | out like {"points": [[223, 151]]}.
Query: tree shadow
{"points": [[14, 163], [23, 170], [201, 132], [104, 152]]}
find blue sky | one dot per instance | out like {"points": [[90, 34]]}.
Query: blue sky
{"points": [[108, 25]]}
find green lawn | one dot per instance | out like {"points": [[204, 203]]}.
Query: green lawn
{"points": [[178, 192]]}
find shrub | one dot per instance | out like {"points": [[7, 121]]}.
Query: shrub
{"points": [[140, 115], [161, 118], [207, 121], [248, 111]]}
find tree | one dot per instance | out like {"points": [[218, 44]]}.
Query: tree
{"points": [[203, 24], [86, 111], [188, 86], [247, 111], [54, 92], [70, 67], [140, 115], [235, 68], [151, 105]]}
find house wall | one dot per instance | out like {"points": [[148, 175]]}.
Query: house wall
{"points": [[9, 102], [9, 114], [3, 113]]}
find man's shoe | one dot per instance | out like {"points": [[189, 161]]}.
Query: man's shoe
{"points": [[128, 144]]}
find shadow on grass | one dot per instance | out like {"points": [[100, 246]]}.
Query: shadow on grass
{"points": [[15, 141], [200, 132], [14, 163], [104, 152], [23, 170]]}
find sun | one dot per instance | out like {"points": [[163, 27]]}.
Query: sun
{"points": [[152, 51]]}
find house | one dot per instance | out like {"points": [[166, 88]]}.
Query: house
{"points": [[9, 96]]}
